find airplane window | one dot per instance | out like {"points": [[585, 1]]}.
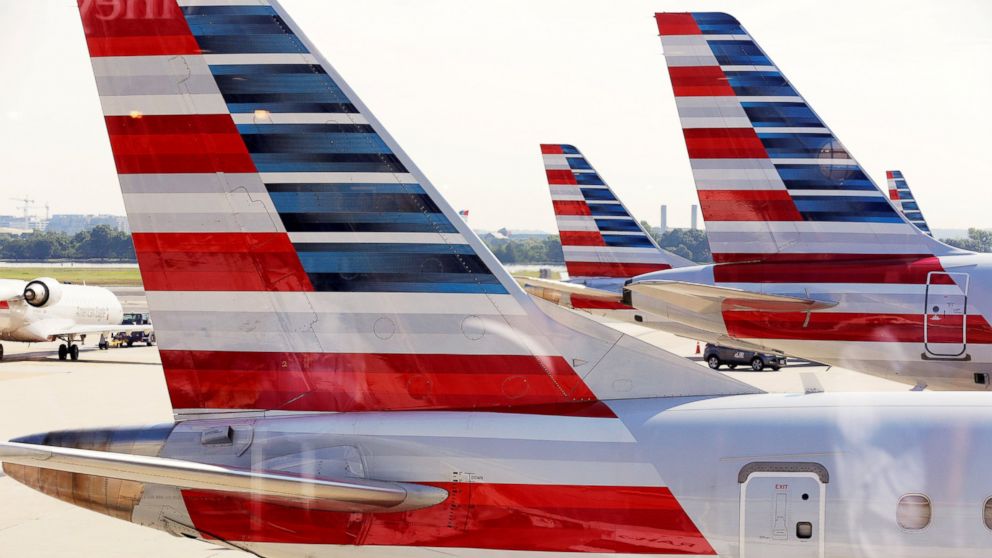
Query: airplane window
{"points": [[988, 513], [914, 512]]}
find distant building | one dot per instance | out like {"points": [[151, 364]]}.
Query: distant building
{"points": [[664, 219], [74, 223], [695, 218]]}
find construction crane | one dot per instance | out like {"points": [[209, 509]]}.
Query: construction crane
{"points": [[26, 205]]}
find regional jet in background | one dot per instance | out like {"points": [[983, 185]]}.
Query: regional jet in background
{"points": [[790, 213], [902, 198], [45, 310], [604, 246], [366, 378]]}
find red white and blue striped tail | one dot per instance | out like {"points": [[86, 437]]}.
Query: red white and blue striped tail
{"points": [[774, 183], [599, 235], [902, 197], [296, 260]]}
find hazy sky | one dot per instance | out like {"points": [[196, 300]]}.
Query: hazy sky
{"points": [[470, 89]]}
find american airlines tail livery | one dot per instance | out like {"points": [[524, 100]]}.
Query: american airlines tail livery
{"points": [[790, 213], [45, 310], [902, 197], [367, 378]]}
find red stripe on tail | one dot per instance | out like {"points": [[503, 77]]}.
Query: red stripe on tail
{"points": [[219, 262], [677, 24], [178, 144], [581, 238], [136, 28], [748, 205], [724, 143], [560, 176], [700, 81], [344, 382], [570, 207]]}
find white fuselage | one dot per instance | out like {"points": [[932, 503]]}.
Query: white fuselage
{"points": [[78, 306], [728, 476], [935, 331]]}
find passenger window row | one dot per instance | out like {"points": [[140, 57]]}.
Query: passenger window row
{"points": [[915, 512]]}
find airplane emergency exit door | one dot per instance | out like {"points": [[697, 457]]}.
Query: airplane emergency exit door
{"points": [[782, 515]]}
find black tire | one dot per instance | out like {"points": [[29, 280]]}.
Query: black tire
{"points": [[757, 364], [63, 352], [130, 343], [74, 352], [1, 352], [775, 368], [714, 362], [731, 366]]}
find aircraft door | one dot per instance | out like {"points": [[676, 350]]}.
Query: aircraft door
{"points": [[945, 324], [782, 515]]}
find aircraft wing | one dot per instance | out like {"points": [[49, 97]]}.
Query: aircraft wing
{"points": [[702, 298], [350, 495], [94, 329], [538, 286]]}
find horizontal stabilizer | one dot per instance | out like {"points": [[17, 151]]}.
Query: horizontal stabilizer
{"points": [[351, 495], [535, 286], [708, 298]]}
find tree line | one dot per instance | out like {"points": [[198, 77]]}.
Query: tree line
{"points": [[106, 243], [99, 243]]}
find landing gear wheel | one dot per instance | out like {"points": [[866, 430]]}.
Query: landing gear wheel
{"points": [[714, 362], [63, 352], [1, 352], [757, 364], [74, 352]]}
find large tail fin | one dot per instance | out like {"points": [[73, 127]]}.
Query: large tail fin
{"points": [[599, 235], [902, 197], [773, 181], [295, 259]]}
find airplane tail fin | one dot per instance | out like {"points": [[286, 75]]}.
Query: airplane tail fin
{"points": [[902, 197], [599, 235], [774, 182], [294, 257]]}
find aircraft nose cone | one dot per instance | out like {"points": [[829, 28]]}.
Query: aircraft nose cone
{"points": [[112, 497]]}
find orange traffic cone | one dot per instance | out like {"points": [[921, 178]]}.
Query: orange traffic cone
{"points": [[697, 347]]}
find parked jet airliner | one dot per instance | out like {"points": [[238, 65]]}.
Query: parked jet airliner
{"points": [[366, 379], [812, 259], [45, 310]]}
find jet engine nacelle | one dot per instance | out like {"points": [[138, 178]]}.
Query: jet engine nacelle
{"points": [[43, 292]]}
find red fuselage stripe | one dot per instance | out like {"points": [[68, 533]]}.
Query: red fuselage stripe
{"points": [[846, 326], [613, 269], [582, 302], [832, 268], [540, 518], [341, 382]]}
